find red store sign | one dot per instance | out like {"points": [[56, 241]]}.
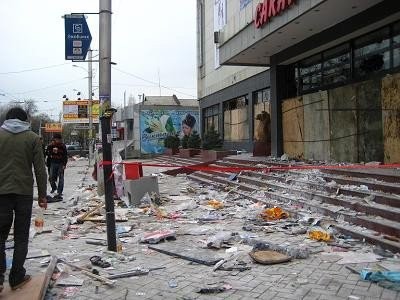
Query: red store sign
{"points": [[270, 8]]}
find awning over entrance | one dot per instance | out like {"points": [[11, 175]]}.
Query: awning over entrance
{"points": [[255, 46]]}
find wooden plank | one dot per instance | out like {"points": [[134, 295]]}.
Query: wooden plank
{"points": [[48, 274], [390, 96], [30, 291], [293, 127], [343, 117], [316, 126]]}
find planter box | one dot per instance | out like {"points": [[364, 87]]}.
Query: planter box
{"points": [[190, 152], [261, 149], [169, 151], [211, 155]]}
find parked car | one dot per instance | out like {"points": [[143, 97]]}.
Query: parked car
{"points": [[73, 150]]}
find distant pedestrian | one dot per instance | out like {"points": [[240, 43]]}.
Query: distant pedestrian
{"points": [[58, 162], [20, 149], [47, 155]]}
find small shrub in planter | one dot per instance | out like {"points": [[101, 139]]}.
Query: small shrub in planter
{"points": [[211, 140], [194, 140], [172, 142], [212, 146], [184, 141], [193, 143]]}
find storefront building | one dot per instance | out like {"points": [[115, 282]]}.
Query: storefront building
{"points": [[333, 82]]}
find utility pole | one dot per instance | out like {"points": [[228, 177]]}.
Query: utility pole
{"points": [[106, 117], [90, 106], [125, 127]]}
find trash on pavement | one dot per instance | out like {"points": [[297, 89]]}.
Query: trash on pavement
{"points": [[68, 280], [215, 204], [158, 235], [319, 235], [376, 276], [99, 262], [135, 272], [214, 289], [269, 257], [274, 213], [219, 239]]}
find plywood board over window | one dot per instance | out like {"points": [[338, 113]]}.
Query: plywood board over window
{"points": [[391, 118], [343, 124], [293, 127], [370, 133], [316, 126]]}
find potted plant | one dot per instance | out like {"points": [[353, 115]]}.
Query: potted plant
{"points": [[191, 145], [171, 144], [212, 146]]}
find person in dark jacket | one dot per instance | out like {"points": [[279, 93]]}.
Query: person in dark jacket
{"points": [[20, 149], [58, 162], [47, 155]]}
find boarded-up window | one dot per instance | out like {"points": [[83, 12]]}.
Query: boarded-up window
{"points": [[236, 119]]}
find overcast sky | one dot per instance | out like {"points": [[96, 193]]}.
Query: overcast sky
{"points": [[149, 38]]}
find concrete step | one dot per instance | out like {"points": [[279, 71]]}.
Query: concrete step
{"points": [[371, 222], [353, 230]]}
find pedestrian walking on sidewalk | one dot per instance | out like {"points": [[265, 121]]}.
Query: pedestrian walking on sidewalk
{"points": [[58, 162], [47, 156], [20, 149]]}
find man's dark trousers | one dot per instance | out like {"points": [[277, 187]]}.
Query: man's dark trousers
{"points": [[57, 171], [18, 208]]}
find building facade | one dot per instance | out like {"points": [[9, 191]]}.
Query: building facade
{"points": [[329, 70], [148, 123]]}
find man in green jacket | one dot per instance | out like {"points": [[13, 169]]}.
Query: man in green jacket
{"points": [[20, 149]]}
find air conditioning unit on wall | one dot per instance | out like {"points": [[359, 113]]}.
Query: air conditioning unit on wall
{"points": [[216, 37]]}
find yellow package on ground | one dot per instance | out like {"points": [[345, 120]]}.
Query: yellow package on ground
{"points": [[319, 235], [215, 204], [274, 213]]}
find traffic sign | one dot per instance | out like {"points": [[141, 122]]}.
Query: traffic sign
{"points": [[77, 37]]}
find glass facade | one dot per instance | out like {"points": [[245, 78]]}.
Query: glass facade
{"points": [[358, 59], [211, 118]]}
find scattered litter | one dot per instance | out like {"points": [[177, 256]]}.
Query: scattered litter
{"points": [[172, 283], [219, 239], [319, 235], [99, 262], [354, 257], [135, 272], [269, 257], [214, 289], [158, 235], [70, 292], [215, 204], [376, 276], [68, 280], [274, 213]]}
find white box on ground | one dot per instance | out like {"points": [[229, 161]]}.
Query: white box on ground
{"points": [[137, 188]]}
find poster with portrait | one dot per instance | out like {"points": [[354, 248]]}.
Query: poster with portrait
{"points": [[156, 125]]}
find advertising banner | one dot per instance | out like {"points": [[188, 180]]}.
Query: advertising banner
{"points": [[156, 125], [52, 127], [78, 111]]}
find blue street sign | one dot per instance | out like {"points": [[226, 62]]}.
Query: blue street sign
{"points": [[77, 37]]}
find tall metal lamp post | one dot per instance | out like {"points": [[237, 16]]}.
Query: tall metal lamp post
{"points": [[90, 104]]}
